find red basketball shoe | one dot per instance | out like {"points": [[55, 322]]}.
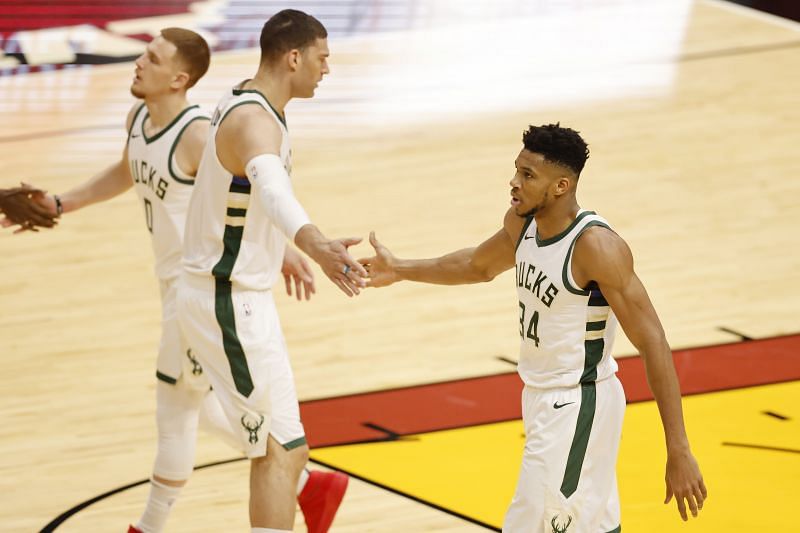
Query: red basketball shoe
{"points": [[320, 499]]}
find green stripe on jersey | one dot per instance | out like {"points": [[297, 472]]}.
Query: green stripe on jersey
{"points": [[241, 189], [237, 361], [593, 350], [596, 326], [583, 429], [235, 212], [232, 241]]}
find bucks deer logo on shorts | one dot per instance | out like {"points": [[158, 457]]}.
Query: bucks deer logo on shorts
{"points": [[560, 528], [252, 427], [196, 368]]}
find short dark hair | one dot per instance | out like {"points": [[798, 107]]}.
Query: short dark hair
{"points": [[289, 29], [563, 146], [192, 52]]}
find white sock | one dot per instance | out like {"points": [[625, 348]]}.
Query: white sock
{"points": [[268, 530], [159, 504], [301, 484]]}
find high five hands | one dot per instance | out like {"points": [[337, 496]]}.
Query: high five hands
{"points": [[22, 206], [381, 266]]}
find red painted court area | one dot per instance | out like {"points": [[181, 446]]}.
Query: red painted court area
{"points": [[21, 15], [483, 400]]}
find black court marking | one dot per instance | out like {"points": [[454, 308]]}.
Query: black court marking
{"points": [[738, 51], [390, 435], [63, 517], [761, 447], [742, 336], [506, 360], [773, 414], [410, 497]]}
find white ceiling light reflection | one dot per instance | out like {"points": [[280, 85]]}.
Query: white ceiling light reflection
{"points": [[478, 57]]}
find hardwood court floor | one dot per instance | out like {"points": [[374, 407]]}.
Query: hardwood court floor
{"points": [[694, 162]]}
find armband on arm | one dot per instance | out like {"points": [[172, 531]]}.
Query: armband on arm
{"points": [[273, 188]]}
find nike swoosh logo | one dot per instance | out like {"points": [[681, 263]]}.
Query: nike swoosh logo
{"points": [[134, 135], [560, 405], [529, 237]]}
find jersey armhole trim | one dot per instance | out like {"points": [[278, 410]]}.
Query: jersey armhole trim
{"points": [[238, 92], [554, 239], [566, 271], [524, 230], [165, 129], [231, 108], [135, 117], [185, 181]]}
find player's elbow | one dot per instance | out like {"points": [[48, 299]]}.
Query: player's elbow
{"points": [[479, 274]]}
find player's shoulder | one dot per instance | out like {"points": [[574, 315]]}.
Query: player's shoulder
{"points": [[514, 224], [599, 248], [197, 128], [597, 239], [132, 112], [250, 116], [194, 136]]}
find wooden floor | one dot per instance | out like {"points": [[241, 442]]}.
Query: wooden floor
{"points": [[694, 161]]}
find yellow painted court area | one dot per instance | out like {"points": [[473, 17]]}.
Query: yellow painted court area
{"points": [[472, 471]]}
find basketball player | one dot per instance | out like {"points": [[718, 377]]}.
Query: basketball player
{"points": [[241, 213], [574, 279], [166, 137], [19, 206]]}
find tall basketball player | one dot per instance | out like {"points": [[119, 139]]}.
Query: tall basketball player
{"points": [[574, 280], [166, 138], [241, 214]]}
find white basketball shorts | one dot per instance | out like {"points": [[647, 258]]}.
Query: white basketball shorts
{"points": [[176, 361], [568, 480], [236, 335]]}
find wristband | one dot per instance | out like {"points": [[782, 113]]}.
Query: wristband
{"points": [[59, 205]]}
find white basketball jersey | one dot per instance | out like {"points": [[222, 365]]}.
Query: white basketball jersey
{"points": [[566, 332], [228, 234], [161, 185]]}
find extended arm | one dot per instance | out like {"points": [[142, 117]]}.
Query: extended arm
{"points": [[469, 265], [108, 183], [602, 256], [248, 143]]}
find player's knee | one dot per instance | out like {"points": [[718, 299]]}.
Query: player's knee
{"points": [[299, 457]]}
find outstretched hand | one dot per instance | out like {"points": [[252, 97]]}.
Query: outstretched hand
{"points": [[296, 269], [685, 482], [344, 271], [23, 206], [380, 267]]}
